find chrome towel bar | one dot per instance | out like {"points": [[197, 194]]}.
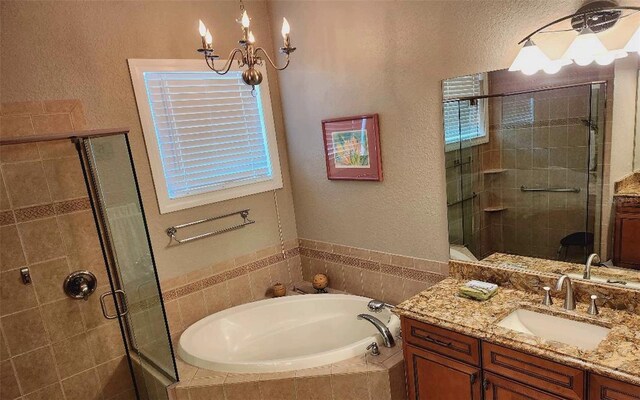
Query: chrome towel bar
{"points": [[244, 214], [554, 190]]}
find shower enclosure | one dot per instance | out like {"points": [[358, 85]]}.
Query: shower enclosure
{"points": [[524, 172], [132, 294]]}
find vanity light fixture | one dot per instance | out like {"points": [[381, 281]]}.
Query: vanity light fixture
{"points": [[248, 54], [588, 21]]}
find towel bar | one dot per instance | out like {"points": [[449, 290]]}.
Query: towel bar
{"points": [[172, 231]]}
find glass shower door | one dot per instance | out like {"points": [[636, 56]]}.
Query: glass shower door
{"points": [[132, 267]]}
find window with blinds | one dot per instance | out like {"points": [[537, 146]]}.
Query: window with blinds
{"points": [[464, 121], [211, 134]]}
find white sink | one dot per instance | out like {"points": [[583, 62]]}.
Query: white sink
{"points": [[574, 333], [597, 279]]}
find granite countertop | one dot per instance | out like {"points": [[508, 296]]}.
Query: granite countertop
{"points": [[618, 356], [560, 267], [629, 186]]}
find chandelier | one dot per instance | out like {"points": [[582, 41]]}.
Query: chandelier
{"points": [[248, 54], [588, 21]]}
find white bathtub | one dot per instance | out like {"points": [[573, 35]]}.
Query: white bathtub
{"points": [[283, 334]]}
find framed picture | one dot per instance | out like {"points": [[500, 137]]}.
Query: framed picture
{"points": [[352, 148]]}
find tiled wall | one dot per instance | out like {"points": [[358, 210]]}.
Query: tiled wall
{"points": [[389, 277], [193, 296], [51, 347]]}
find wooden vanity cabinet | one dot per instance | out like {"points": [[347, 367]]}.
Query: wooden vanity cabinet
{"points": [[446, 365], [603, 388], [626, 241]]}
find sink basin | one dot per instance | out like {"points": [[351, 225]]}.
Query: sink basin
{"points": [[549, 327], [597, 279]]}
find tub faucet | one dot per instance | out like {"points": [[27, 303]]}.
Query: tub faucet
{"points": [[593, 259], [387, 337], [378, 305], [569, 301]]}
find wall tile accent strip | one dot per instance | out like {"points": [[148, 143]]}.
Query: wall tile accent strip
{"points": [[399, 271], [6, 218], [49, 210], [236, 272]]}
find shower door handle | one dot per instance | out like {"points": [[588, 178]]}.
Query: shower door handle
{"points": [[125, 308]]}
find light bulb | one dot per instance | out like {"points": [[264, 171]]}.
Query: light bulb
{"points": [[251, 38], [285, 28], [208, 38], [201, 28], [585, 48], [634, 42], [245, 19], [530, 59]]}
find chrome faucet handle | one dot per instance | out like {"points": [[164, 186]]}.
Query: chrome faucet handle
{"points": [[547, 301], [593, 307], [378, 305], [375, 351]]}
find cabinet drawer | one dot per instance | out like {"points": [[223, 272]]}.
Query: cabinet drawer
{"points": [[498, 388], [442, 341], [537, 372], [602, 388]]}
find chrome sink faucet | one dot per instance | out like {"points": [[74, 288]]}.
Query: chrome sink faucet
{"points": [[569, 300], [387, 337], [593, 259]]}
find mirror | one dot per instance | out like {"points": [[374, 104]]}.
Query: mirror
{"points": [[530, 173]]}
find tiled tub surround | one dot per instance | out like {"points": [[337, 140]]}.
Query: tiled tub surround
{"points": [[46, 224], [361, 378], [191, 297], [533, 280], [384, 276], [617, 356]]}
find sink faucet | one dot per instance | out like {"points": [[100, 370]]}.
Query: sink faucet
{"points": [[387, 337], [569, 301], [593, 259]]}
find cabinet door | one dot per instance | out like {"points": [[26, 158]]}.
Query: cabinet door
{"points": [[498, 388], [434, 377], [602, 388], [627, 240]]}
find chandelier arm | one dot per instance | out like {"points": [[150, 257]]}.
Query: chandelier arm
{"points": [[271, 61], [584, 13], [227, 66]]}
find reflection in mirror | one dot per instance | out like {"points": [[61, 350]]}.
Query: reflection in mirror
{"points": [[529, 169]]}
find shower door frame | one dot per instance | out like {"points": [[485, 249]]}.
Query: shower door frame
{"points": [[116, 284]]}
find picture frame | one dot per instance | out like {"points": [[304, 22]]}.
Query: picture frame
{"points": [[352, 148]]}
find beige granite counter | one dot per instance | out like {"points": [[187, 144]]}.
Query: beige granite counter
{"points": [[629, 186], [618, 356]]}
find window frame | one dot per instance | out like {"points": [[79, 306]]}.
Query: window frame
{"points": [[166, 204], [483, 111]]}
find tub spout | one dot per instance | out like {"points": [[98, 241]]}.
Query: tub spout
{"points": [[387, 337]]}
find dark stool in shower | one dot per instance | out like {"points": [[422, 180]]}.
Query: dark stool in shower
{"points": [[576, 239]]}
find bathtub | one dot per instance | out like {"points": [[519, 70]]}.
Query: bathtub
{"points": [[283, 334]]}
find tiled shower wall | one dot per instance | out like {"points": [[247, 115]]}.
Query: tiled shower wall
{"points": [[51, 347]]}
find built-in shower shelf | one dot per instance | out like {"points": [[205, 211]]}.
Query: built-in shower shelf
{"points": [[494, 171], [495, 209]]}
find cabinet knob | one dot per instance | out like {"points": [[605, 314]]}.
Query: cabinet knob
{"points": [[485, 384]]}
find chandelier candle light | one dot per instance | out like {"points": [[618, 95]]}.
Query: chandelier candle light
{"points": [[593, 18], [248, 54]]}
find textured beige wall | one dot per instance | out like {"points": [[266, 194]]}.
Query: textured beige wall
{"points": [[389, 58], [64, 49]]}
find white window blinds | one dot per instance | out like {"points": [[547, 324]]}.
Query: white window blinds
{"points": [[463, 120], [210, 131]]}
